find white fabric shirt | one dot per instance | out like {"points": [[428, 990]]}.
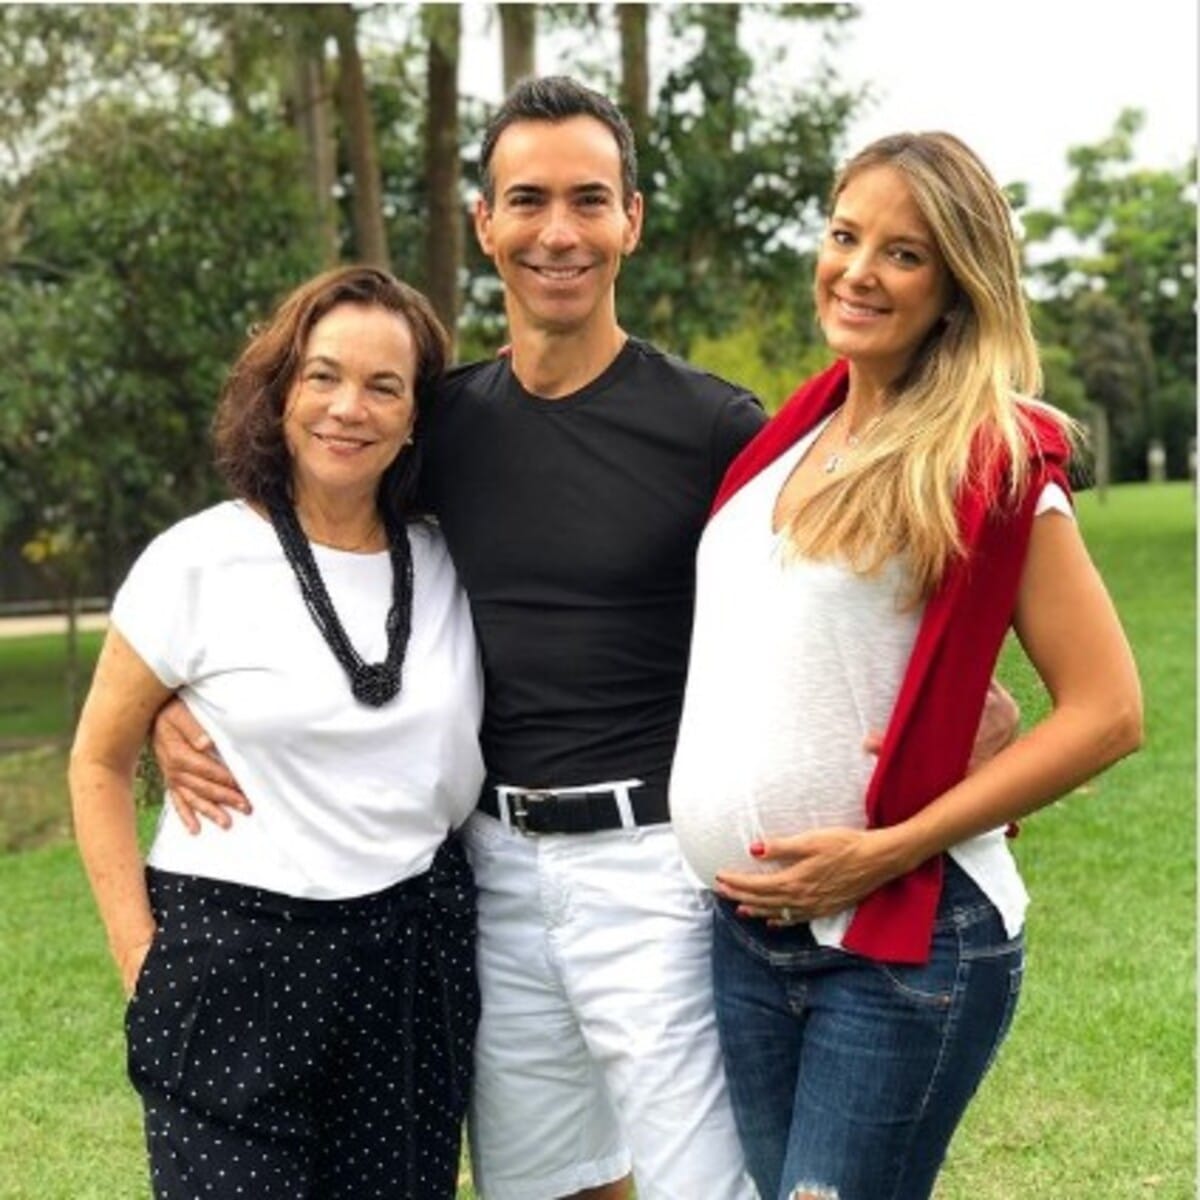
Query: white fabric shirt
{"points": [[793, 662], [347, 799]]}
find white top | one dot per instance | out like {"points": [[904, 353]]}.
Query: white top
{"points": [[348, 799], [793, 662]]}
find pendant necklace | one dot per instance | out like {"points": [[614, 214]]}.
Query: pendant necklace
{"points": [[373, 684], [836, 457]]}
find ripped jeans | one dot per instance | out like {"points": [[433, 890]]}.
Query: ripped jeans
{"points": [[848, 1077]]}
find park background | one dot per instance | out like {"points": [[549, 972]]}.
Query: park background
{"points": [[167, 171]]}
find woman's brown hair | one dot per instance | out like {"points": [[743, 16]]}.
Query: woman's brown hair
{"points": [[251, 453]]}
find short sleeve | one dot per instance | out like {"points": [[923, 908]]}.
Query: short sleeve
{"points": [[739, 419], [152, 608], [1053, 499]]}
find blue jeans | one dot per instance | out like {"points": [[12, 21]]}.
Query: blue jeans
{"points": [[848, 1076]]}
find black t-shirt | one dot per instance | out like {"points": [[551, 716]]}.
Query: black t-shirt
{"points": [[573, 524]]}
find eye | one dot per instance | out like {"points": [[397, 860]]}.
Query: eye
{"points": [[905, 257], [320, 375], [390, 391], [841, 237]]}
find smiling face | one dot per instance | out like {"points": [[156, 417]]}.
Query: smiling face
{"points": [[558, 227], [351, 406], [881, 282]]}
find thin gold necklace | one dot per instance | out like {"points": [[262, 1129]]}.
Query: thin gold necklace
{"points": [[835, 458], [370, 536]]}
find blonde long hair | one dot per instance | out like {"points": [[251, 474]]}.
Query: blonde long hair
{"points": [[974, 378]]}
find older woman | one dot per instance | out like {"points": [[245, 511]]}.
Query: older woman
{"points": [[868, 552], [302, 991]]}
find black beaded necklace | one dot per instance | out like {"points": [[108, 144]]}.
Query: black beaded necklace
{"points": [[371, 683]]}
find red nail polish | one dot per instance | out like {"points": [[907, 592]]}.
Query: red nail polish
{"points": [[757, 849]]}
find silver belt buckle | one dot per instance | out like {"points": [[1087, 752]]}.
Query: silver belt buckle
{"points": [[518, 813]]}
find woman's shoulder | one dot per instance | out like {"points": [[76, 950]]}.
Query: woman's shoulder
{"points": [[213, 532]]}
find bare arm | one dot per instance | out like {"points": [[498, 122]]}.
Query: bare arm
{"points": [[200, 784], [124, 696], [1068, 627]]}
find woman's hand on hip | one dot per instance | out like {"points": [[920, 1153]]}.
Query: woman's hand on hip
{"points": [[200, 784]]}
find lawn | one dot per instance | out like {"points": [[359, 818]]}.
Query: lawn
{"points": [[34, 728], [1092, 1095], [33, 700]]}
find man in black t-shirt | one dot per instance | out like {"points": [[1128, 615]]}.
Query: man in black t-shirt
{"points": [[572, 478]]}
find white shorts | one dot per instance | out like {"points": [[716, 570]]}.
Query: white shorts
{"points": [[597, 1049]]}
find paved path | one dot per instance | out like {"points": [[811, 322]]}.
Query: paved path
{"points": [[48, 623]]}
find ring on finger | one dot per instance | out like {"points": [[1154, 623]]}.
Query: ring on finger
{"points": [[785, 915]]}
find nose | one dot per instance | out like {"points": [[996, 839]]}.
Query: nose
{"points": [[859, 266], [558, 233], [347, 403]]}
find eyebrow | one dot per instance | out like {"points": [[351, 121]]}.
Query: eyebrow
{"points": [[912, 238], [591, 188], [325, 360]]}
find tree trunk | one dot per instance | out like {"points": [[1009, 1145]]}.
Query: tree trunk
{"points": [[518, 31], [635, 69], [727, 68], [312, 115], [444, 245], [370, 235], [238, 60]]}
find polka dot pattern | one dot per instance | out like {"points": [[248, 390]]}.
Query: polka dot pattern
{"points": [[288, 1048]]}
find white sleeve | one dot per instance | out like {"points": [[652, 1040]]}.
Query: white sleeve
{"points": [[1054, 499], [153, 608]]}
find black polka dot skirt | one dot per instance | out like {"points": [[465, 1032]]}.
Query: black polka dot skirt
{"points": [[289, 1048]]}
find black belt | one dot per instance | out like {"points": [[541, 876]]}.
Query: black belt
{"points": [[575, 810]]}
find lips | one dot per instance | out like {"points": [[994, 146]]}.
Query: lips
{"points": [[559, 274], [335, 442], [858, 312]]}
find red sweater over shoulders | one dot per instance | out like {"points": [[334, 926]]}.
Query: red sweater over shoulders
{"points": [[929, 738]]}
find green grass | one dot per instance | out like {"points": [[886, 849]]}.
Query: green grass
{"points": [[35, 807], [1092, 1095], [33, 700], [34, 728]]}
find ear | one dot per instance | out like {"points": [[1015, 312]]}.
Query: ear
{"points": [[483, 225], [634, 212]]}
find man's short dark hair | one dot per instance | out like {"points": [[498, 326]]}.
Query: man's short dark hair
{"points": [[556, 98]]}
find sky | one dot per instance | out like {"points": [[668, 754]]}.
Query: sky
{"points": [[1020, 81]]}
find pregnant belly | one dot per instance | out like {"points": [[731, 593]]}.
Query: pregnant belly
{"points": [[715, 832]]}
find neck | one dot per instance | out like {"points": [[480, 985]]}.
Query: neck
{"points": [[342, 523], [866, 398], [552, 364]]}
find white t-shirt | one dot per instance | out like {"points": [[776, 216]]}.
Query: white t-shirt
{"points": [[347, 799], [793, 662]]}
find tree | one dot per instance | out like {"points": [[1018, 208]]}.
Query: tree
{"points": [[1122, 295], [150, 242], [370, 235], [442, 158], [633, 23], [310, 101], [518, 33]]}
